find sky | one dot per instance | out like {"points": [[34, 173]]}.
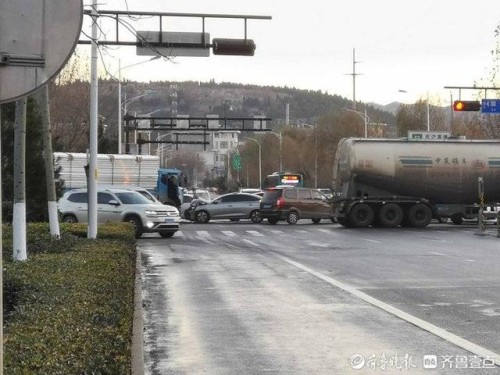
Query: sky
{"points": [[404, 51]]}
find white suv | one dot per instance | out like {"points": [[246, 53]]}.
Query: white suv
{"points": [[114, 204]]}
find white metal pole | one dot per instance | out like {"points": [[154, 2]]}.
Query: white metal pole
{"points": [[366, 124], [119, 108], [428, 114], [281, 152], [1, 257], [260, 166], [92, 171]]}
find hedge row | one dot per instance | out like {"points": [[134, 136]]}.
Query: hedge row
{"points": [[69, 308]]}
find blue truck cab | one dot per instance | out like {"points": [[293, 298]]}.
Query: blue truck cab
{"points": [[169, 186]]}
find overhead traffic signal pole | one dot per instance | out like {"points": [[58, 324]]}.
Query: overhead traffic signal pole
{"points": [[154, 47]]}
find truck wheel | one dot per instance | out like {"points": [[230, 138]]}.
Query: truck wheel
{"points": [[344, 221], [419, 215], [361, 215], [390, 215], [137, 223], [457, 219], [292, 217], [202, 217]]}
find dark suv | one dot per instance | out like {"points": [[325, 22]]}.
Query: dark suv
{"points": [[294, 203]]}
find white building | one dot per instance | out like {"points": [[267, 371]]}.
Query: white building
{"points": [[224, 143]]}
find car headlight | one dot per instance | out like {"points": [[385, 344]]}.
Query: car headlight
{"points": [[150, 212]]}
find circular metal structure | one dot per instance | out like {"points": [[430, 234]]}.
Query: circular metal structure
{"points": [[36, 40]]}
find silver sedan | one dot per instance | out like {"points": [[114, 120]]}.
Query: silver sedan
{"points": [[232, 206]]}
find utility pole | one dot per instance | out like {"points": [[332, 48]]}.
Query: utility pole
{"points": [[354, 74]]}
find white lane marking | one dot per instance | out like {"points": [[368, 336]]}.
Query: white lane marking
{"points": [[229, 233], [435, 330], [255, 233], [469, 260], [203, 233], [369, 240], [250, 242], [435, 253], [323, 230], [277, 231]]}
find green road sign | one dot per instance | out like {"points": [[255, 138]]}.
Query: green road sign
{"points": [[237, 162]]}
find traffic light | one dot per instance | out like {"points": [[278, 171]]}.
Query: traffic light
{"points": [[466, 105], [235, 47]]}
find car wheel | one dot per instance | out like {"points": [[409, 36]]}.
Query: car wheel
{"points": [[137, 223], [272, 221], [69, 219], [202, 217], [255, 216], [166, 234], [292, 217], [315, 220]]}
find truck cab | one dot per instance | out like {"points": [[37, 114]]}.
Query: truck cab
{"points": [[169, 186]]}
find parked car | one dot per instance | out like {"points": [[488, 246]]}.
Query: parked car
{"points": [[232, 206], [294, 203], [114, 204]]}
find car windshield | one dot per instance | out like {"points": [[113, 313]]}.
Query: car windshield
{"points": [[132, 197]]}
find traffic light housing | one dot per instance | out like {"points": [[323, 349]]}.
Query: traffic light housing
{"points": [[235, 47], [466, 105]]}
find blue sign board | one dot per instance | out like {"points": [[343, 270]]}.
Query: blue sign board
{"points": [[490, 106]]}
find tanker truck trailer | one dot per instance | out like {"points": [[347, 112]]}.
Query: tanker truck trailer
{"points": [[392, 182]]}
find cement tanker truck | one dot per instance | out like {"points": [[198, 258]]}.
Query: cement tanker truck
{"points": [[392, 182]]}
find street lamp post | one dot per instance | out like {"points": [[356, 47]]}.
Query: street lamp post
{"points": [[364, 116], [224, 110], [120, 97], [260, 161], [280, 137]]}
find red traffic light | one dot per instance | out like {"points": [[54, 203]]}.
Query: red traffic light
{"points": [[466, 105], [235, 47]]}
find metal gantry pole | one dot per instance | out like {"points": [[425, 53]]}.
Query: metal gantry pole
{"points": [[119, 108], [260, 160], [92, 170]]}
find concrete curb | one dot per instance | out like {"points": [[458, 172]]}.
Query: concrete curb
{"points": [[137, 326]]}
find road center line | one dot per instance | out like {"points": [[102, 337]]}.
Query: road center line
{"points": [[435, 330]]}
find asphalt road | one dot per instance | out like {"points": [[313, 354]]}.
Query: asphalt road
{"points": [[241, 298]]}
